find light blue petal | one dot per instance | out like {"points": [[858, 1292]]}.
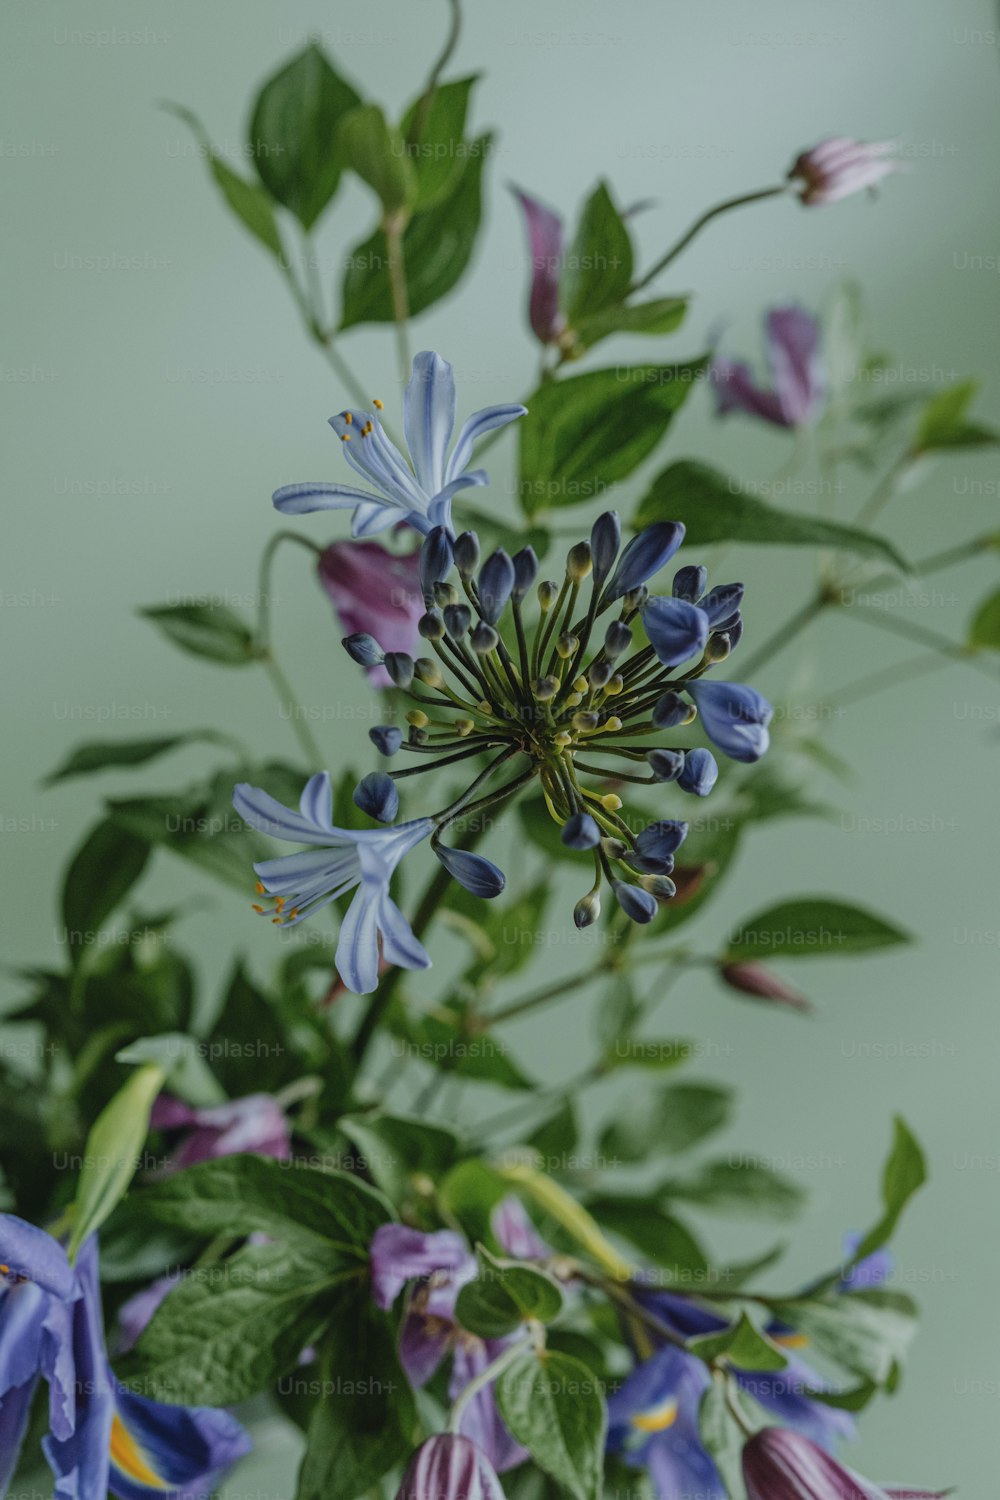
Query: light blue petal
{"points": [[370, 454], [300, 499], [185, 1448], [15, 1410], [322, 868], [371, 518], [32, 1253], [357, 949], [316, 801], [268, 815], [429, 418], [440, 508], [399, 945], [479, 423]]}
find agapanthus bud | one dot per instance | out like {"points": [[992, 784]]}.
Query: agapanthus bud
{"points": [[700, 773], [427, 671], [431, 625], [599, 673], [484, 639], [525, 571], [445, 594], [614, 848], [605, 539], [548, 593], [635, 599], [544, 688], [586, 720], [377, 796], [670, 711], [386, 737], [689, 583], [435, 560], [580, 831], [457, 619], [735, 718], [660, 887], [465, 552], [721, 602], [449, 1467], [578, 562], [587, 910], [617, 639], [364, 649], [637, 904], [644, 556], [400, 668], [662, 839], [495, 584], [677, 630], [417, 719], [666, 765], [717, 649], [615, 685], [734, 633], [478, 875]]}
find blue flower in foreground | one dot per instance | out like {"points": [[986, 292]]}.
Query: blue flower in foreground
{"points": [[344, 858], [101, 1436], [418, 491], [735, 717], [653, 1424]]}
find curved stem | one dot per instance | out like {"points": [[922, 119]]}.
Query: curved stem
{"points": [[786, 633], [698, 226], [286, 694], [481, 1381], [394, 229], [427, 98]]}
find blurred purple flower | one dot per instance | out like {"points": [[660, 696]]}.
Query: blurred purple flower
{"points": [[375, 592], [792, 343], [752, 978], [839, 166], [545, 245], [255, 1123], [782, 1465], [449, 1467]]}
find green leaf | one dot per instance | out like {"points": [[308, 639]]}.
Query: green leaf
{"points": [[183, 1063], [505, 1294], [984, 628], [249, 203], [742, 1345], [358, 1433], [657, 1234], [659, 316], [812, 925], [469, 1193], [943, 422], [737, 1185], [292, 131], [437, 248], [720, 1433], [98, 755], [240, 1195], [397, 1148], [208, 630], [671, 1121], [553, 1404], [377, 153], [866, 1332], [112, 1152], [103, 870], [905, 1172], [229, 1330], [597, 269], [586, 433], [438, 151], [716, 509]]}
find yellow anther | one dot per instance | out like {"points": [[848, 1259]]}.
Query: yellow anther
{"points": [[610, 802], [293, 913], [345, 437], [258, 909], [279, 903], [348, 417], [378, 405], [276, 921]]}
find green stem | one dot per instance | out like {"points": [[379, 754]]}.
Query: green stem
{"points": [[786, 633], [427, 97], [874, 682], [698, 226], [923, 637], [479, 1382], [286, 694], [394, 228]]}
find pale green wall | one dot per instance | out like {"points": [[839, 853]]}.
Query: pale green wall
{"points": [[684, 105]]}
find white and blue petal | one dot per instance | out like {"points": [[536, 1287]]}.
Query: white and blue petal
{"points": [[476, 427], [301, 499], [357, 947], [400, 946], [429, 406], [316, 801], [268, 815]]}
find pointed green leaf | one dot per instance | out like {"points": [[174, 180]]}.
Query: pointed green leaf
{"points": [[905, 1172], [112, 1152], [811, 926], [597, 268], [554, 1405], [103, 870], [248, 202], [292, 131], [213, 631]]}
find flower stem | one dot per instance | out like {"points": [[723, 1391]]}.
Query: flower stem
{"points": [[696, 228], [787, 632], [573, 1217], [481, 1381], [394, 229], [286, 694]]}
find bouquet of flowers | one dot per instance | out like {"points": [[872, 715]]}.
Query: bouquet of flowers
{"points": [[305, 1204]]}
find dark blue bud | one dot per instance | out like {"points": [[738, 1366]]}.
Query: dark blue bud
{"points": [[735, 632], [617, 638], [364, 649], [648, 864], [644, 556], [466, 553], [735, 718], [386, 738], [599, 673], [525, 571], [605, 539], [435, 561], [662, 838], [700, 773], [376, 795], [478, 875], [457, 619], [636, 903], [400, 668], [496, 583], [689, 583], [580, 832], [722, 601], [670, 710], [666, 765], [676, 630]]}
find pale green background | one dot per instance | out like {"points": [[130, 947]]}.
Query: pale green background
{"points": [[187, 385]]}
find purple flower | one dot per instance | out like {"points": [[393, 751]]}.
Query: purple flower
{"points": [[792, 343], [375, 592], [449, 1467], [838, 167], [545, 245], [101, 1436], [782, 1465], [754, 979], [255, 1123]]}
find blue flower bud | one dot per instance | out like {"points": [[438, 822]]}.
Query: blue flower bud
{"points": [[689, 583], [364, 649], [700, 773], [722, 601], [617, 638], [476, 874], [386, 737], [735, 718], [376, 795], [525, 571], [647, 865], [580, 832], [605, 539], [457, 619], [599, 673], [466, 553], [644, 556], [496, 583], [676, 630], [400, 668], [661, 839], [666, 765], [671, 710], [435, 561], [636, 903]]}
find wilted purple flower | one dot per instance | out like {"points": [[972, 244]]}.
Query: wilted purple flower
{"points": [[755, 980], [792, 342], [545, 245], [255, 1123], [449, 1467], [839, 166], [375, 592], [779, 1464]]}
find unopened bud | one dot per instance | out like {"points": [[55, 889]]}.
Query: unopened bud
{"points": [[615, 685], [578, 562], [544, 688], [617, 639], [431, 625], [399, 667], [614, 848], [466, 553], [548, 593], [587, 910], [428, 672], [417, 718], [464, 726], [599, 673], [567, 644], [717, 649], [611, 802], [457, 619], [484, 639], [660, 886], [444, 594], [586, 721]]}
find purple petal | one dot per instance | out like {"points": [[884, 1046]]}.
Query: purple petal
{"points": [[545, 244], [375, 592], [736, 390], [35, 1255], [449, 1467], [400, 1254], [793, 353], [515, 1232]]}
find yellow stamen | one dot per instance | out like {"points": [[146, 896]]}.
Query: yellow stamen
{"points": [[125, 1455], [790, 1340], [293, 913], [658, 1418], [258, 909], [260, 888], [348, 417], [378, 405], [610, 802], [345, 437]]}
